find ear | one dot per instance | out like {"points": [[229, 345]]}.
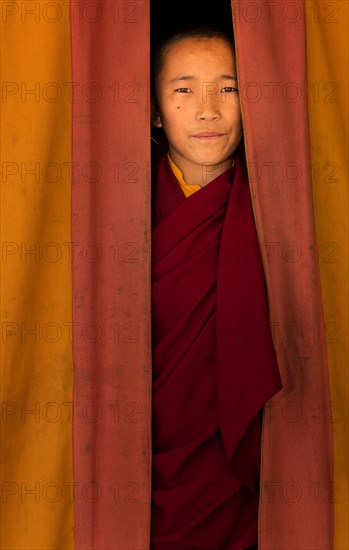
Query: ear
{"points": [[155, 115]]}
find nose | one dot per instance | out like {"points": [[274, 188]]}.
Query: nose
{"points": [[208, 107]]}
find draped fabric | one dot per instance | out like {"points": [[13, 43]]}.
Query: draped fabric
{"points": [[111, 428], [328, 70], [76, 442], [214, 365], [283, 152], [76, 362], [36, 287]]}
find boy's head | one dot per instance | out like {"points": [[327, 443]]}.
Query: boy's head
{"points": [[197, 104]]}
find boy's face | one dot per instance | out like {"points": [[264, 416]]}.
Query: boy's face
{"points": [[198, 105]]}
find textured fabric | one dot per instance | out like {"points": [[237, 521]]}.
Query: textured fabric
{"points": [[36, 286], [328, 99], [214, 365], [75, 369], [111, 296], [297, 449]]}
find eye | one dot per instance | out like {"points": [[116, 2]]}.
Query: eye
{"points": [[229, 89], [183, 90]]}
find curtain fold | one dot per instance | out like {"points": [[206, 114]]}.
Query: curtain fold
{"points": [[111, 277], [76, 357], [296, 507]]}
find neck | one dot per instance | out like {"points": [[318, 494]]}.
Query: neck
{"points": [[200, 174]]}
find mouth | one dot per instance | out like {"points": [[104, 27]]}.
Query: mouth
{"points": [[208, 135]]}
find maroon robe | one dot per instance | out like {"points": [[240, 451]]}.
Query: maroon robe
{"points": [[214, 364]]}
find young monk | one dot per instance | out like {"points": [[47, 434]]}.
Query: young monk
{"points": [[214, 365]]}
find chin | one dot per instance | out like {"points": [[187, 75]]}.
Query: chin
{"points": [[216, 161], [214, 157]]}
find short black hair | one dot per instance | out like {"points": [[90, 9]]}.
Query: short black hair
{"points": [[189, 31]]}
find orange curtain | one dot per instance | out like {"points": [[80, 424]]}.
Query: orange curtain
{"points": [[327, 54], [36, 289]]}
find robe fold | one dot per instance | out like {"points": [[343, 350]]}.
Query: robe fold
{"points": [[214, 364]]}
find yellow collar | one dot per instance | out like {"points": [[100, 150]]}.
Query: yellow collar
{"points": [[186, 187]]}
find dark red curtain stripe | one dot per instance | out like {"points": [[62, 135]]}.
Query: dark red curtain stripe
{"points": [[111, 289]]}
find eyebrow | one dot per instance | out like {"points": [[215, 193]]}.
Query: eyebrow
{"points": [[191, 77], [228, 77]]}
